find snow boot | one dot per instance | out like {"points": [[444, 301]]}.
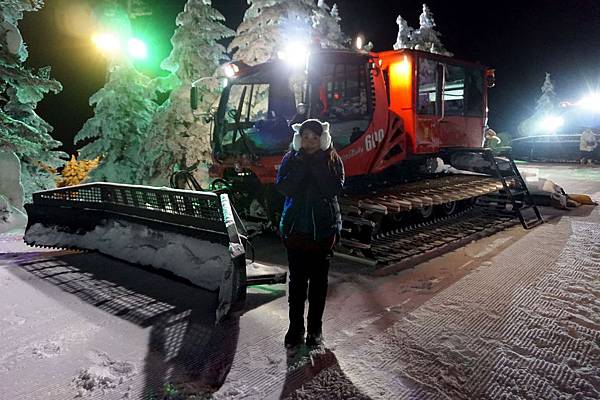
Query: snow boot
{"points": [[314, 340], [294, 337], [314, 337]]}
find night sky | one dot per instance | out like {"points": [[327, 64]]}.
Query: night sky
{"points": [[520, 39]]}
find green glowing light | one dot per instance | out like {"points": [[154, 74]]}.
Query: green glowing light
{"points": [[137, 49]]}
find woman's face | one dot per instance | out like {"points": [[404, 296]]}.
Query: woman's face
{"points": [[311, 142]]}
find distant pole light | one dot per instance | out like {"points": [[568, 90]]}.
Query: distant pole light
{"points": [[137, 48], [359, 43], [106, 42]]}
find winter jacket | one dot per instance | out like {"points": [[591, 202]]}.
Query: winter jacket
{"points": [[310, 184]]}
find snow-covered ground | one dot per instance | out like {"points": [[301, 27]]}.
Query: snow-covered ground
{"points": [[515, 316]]}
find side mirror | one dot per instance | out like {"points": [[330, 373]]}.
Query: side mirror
{"points": [[490, 78], [194, 97]]}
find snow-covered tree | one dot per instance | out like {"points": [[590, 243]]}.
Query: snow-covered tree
{"points": [[546, 106], [326, 26], [426, 38], [178, 138], [123, 109], [405, 32], [548, 101], [22, 131]]}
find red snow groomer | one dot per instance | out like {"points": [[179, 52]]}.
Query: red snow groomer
{"points": [[406, 123], [397, 118]]}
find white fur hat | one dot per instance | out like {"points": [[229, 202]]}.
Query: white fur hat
{"points": [[325, 135]]}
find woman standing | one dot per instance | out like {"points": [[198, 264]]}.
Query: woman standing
{"points": [[311, 175]]}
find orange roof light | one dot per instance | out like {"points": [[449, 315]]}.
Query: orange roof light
{"points": [[401, 84], [401, 70]]}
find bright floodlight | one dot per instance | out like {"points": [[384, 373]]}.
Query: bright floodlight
{"points": [[295, 53], [591, 102], [137, 48], [106, 42], [551, 124]]}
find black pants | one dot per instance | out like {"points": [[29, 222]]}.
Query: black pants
{"points": [[307, 278]]}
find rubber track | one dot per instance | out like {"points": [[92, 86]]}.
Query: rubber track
{"points": [[423, 241]]}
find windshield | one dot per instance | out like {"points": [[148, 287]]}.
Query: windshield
{"points": [[340, 95], [257, 112]]}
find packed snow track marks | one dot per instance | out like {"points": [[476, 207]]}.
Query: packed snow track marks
{"points": [[526, 326]]}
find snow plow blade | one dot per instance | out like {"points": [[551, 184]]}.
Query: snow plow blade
{"points": [[191, 234]]}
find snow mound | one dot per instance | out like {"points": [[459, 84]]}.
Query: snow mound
{"points": [[330, 383], [47, 350], [105, 374], [11, 218], [10, 179]]}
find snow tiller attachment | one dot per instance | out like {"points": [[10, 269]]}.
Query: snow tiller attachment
{"points": [[194, 235]]}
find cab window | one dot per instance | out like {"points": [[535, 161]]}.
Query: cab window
{"points": [[343, 99], [462, 89], [257, 112], [427, 89], [454, 90]]}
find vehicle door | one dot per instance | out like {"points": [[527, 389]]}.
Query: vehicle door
{"points": [[427, 106]]}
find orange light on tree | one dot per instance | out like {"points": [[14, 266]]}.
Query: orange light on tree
{"points": [[107, 43]]}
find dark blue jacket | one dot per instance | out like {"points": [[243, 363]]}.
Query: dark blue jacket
{"points": [[310, 184]]}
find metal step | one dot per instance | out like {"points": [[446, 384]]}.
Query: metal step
{"points": [[262, 274]]}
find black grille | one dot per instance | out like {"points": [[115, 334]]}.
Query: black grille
{"points": [[201, 209]]}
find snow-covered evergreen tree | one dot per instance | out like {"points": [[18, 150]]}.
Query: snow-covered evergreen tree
{"points": [[545, 106], [548, 101], [426, 38], [326, 26], [405, 32], [123, 109], [22, 131], [177, 137]]}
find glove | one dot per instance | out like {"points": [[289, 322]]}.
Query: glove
{"points": [[299, 159]]}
